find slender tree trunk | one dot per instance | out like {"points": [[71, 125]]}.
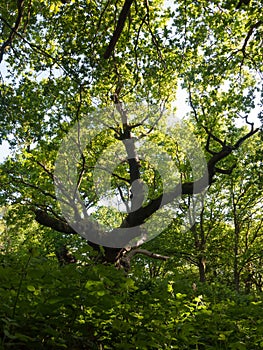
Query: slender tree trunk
{"points": [[202, 269], [200, 242], [236, 275], [236, 247]]}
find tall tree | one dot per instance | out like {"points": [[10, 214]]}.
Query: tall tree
{"points": [[68, 59]]}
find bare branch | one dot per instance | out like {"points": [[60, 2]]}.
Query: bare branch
{"points": [[124, 258], [251, 124], [131, 254]]}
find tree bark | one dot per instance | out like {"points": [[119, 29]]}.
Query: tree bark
{"points": [[202, 269]]}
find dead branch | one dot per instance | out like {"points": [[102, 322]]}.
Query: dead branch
{"points": [[131, 254], [125, 260]]}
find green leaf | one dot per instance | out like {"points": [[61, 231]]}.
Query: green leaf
{"points": [[31, 288]]}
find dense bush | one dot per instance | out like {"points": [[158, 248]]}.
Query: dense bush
{"points": [[45, 306]]}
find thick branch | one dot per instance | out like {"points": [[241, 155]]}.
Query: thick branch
{"points": [[120, 25], [8, 42], [244, 138], [225, 171], [139, 216], [56, 224], [43, 218], [125, 135], [242, 2], [249, 34]]}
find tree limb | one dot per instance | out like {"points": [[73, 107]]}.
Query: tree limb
{"points": [[131, 254], [8, 42], [56, 224], [249, 34], [242, 2], [60, 225], [120, 25], [188, 188], [125, 260]]}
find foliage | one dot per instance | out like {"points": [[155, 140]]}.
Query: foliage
{"points": [[94, 307], [65, 61]]}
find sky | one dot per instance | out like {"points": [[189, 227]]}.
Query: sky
{"points": [[4, 151]]}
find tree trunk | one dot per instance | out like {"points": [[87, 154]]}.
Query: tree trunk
{"points": [[202, 269], [236, 244], [236, 272]]}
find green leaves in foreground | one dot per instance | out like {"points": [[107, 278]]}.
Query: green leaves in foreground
{"points": [[94, 307]]}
